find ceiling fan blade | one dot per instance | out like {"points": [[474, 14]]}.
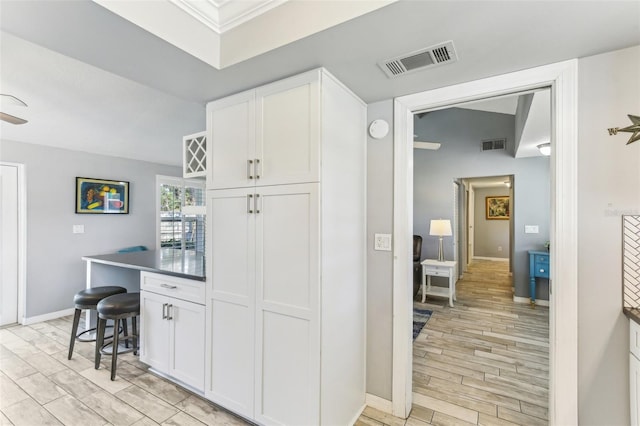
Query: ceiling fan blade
{"points": [[11, 119], [12, 100]]}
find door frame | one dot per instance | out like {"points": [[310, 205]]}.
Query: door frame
{"points": [[562, 77], [22, 238]]}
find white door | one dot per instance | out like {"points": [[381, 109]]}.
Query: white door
{"points": [[186, 322], [287, 130], [231, 299], [287, 298], [471, 213], [154, 330], [9, 244], [231, 141]]}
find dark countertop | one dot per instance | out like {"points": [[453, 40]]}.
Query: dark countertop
{"points": [[167, 261], [632, 313]]}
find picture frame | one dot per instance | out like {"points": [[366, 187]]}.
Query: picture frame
{"points": [[101, 196], [498, 208]]}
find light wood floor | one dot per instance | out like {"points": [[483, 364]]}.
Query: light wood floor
{"points": [[485, 361]]}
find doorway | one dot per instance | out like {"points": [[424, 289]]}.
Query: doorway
{"points": [[11, 243], [562, 78]]}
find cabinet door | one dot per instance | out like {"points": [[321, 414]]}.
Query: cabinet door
{"points": [[231, 141], [230, 299], [287, 329], [186, 346], [634, 384], [154, 331], [287, 130]]}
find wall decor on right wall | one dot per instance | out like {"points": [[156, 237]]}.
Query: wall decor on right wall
{"points": [[631, 261], [498, 208]]}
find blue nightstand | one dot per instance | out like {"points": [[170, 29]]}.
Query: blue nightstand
{"points": [[538, 268]]}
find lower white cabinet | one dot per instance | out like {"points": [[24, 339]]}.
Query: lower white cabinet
{"points": [[172, 331], [634, 372]]}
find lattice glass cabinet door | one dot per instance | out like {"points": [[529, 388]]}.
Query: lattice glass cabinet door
{"points": [[194, 155]]}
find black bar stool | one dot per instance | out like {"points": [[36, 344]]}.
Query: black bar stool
{"points": [[118, 308], [88, 299]]}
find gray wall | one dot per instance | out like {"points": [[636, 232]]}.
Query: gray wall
{"points": [[55, 271], [379, 263], [609, 186], [460, 157], [489, 234]]}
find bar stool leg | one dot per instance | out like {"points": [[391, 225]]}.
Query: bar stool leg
{"points": [[114, 352], [99, 340], [134, 326], [74, 331], [126, 332]]}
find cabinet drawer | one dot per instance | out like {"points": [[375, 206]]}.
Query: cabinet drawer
{"points": [[180, 288], [440, 272], [634, 338], [541, 270], [542, 259]]}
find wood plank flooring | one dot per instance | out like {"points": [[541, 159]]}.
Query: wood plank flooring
{"points": [[483, 362]]}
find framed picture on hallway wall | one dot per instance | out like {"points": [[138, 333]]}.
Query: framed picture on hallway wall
{"points": [[498, 208]]}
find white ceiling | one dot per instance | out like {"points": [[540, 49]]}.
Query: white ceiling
{"points": [[96, 82]]}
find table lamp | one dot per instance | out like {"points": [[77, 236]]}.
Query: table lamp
{"points": [[440, 228]]}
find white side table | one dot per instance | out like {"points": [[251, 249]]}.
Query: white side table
{"points": [[439, 269]]}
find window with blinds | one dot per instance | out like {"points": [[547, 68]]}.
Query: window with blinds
{"points": [[181, 214]]}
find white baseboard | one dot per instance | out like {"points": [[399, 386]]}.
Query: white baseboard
{"points": [[47, 317], [358, 414], [541, 302], [378, 403], [495, 259]]}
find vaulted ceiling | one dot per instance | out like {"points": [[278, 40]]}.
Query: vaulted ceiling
{"points": [[97, 82]]}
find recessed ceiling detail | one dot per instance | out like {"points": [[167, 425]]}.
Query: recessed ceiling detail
{"points": [[439, 54], [223, 15]]}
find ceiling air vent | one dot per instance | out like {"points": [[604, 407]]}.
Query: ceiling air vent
{"points": [[493, 144], [443, 53]]}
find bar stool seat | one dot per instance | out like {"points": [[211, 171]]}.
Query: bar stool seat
{"points": [[89, 299], [118, 308]]}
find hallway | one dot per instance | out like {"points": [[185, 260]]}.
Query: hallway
{"points": [[484, 361]]}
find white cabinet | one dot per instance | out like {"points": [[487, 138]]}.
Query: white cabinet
{"points": [[286, 255], [634, 372], [172, 328], [265, 136], [194, 155]]}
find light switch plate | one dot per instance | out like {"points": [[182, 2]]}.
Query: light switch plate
{"points": [[78, 229], [382, 242], [531, 229]]}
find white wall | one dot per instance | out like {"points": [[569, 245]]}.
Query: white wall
{"points": [[609, 186], [55, 271]]}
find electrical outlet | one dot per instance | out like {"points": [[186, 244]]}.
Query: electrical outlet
{"points": [[531, 229], [499, 248], [382, 242], [78, 229]]}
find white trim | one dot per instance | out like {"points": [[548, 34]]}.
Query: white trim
{"points": [[22, 238], [541, 302], [47, 317], [495, 259], [563, 321], [378, 403]]}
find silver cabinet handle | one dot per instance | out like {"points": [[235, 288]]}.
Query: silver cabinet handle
{"points": [[258, 172], [249, 164], [170, 312], [249, 197], [171, 287], [257, 199], [164, 311], [541, 270]]}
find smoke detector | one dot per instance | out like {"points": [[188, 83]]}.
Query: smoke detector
{"points": [[443, 53]]}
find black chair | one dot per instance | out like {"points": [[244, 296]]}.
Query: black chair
{"points": [[417, 267], [117, 308], [89, 299]]}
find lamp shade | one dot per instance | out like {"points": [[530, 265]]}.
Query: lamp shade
{"points": [[440, 227]]}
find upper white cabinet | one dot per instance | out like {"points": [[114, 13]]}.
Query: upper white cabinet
{"points": [[194, 155], [266, 136], [285, 296]]}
